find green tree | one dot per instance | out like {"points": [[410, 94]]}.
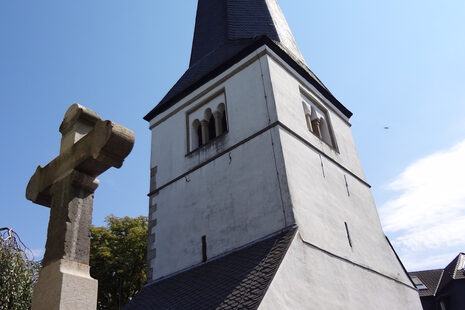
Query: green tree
{"points": [[118, 259], [18, 272]]}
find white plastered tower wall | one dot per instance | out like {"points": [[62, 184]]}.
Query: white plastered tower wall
{"points": [[264, 175], [340, 258], [233, 190]]}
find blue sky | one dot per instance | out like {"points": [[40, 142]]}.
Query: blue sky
{"points": [[392, 63]]}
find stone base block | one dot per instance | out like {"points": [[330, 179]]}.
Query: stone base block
{"points": [[65, 285]]}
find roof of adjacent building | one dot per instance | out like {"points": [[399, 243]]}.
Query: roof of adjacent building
{"points": [[235, 281], [453, 271], [436, 280], [430, 278], [226, 31]]}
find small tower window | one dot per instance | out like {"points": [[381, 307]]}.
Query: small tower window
{"points": [[222, 115], [199, 136], [207, 123], [318, 122], [224, 123], [211, 128], [324, 130], [196, 134]]}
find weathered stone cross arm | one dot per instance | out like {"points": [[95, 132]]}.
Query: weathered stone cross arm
{"points": [[89, 146], [105, 146]]}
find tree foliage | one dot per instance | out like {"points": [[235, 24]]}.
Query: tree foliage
{"points": [[18, 272], [118, 259]]}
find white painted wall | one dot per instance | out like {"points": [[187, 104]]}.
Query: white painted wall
{"points": [[233, 200], [309, 279], [269, 182], [287, 97], [247, 113], [322, 204]]}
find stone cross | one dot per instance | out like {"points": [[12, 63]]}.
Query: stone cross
{"points": [[89, 146]]}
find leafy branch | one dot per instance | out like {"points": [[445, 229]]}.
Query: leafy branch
{"points": [[18, 271]]}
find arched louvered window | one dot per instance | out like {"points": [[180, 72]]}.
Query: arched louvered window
{"points": [[199, 136], [318, 122], [211, 128], [223, 121], [196, 141], [207, 124]]}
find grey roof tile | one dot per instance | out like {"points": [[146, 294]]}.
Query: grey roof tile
{"points": [[459, 270], [236, 281], [430, 278], [226, 31], [221, 21], [451, 272], [436, 280]]}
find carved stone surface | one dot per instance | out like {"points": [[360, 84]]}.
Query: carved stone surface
{"points": [[65, 285], [105, 146], [68, 234], [78, 121], [89, 147]]}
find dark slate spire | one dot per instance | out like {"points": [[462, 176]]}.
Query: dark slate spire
{"points": [[220, 22], [226, 31]]}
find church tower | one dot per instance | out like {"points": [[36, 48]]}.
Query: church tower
{"points": [[257, 195]]}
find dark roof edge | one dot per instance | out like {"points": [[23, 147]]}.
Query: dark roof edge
{"points": [[263, 40], [427, 270], [294, 232], [459, 260], [403, 267], [439, 283], [193, 40], [284, 230]]}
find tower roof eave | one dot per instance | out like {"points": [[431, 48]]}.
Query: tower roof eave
{"points": [[224, 282], [225, 56]]}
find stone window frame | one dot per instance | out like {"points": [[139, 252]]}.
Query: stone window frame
{"points": [[309, 100], [219, 115]]}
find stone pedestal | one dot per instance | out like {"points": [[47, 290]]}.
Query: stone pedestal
{"points": [[65, 285]]}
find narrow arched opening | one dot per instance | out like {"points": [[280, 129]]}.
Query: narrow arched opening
{"points": [[324, 129], [223, 124], [196, 140], [308, 118], [211, 128], [199, 136], [315, 120]]}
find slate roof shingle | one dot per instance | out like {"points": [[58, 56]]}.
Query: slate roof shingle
{"points": [[430, 278], [452, 272], [219, 22], [238, 280], [226, 31], [436, 280], [460, 270]]}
